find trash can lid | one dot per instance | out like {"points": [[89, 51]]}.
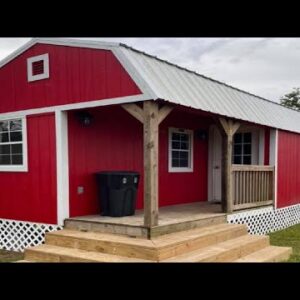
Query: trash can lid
{"points": [[123, 173]]}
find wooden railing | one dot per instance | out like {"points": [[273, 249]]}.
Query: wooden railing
{"points": [[252, 186]]}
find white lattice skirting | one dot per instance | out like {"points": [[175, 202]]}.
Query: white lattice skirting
{"points": [[265, 220], [17, 235]]}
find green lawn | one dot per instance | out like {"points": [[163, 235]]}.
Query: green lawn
{"points": [[289, 237], [9, 256]]}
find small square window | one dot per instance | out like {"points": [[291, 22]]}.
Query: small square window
{"points": [[38, 67]]}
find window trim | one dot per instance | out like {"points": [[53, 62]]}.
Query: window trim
{"points": [[178, 169], [24, 166], [31, 60]]}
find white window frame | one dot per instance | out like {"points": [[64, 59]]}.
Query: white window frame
{"points": [[191, 156], [24, 166], [31, 60]]}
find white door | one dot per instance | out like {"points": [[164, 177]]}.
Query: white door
{"points": [[216, 165]]}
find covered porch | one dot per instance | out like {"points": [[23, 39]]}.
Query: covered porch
{"points": [[230, 186], [242, 186]]}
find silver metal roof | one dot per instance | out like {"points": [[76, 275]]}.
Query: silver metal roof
{"points": [[178, 85], [160, 79]]}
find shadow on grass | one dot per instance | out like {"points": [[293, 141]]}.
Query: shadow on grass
{"points": [[289, 237]]}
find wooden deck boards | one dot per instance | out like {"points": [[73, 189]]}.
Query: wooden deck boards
{"points": [[167, 215]]}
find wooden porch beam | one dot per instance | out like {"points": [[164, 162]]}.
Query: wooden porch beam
{"points": [[135, 111], [164, 112], [229, 129]]}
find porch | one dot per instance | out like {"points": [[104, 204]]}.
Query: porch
{"points": [[147, 140], [171, 219]]}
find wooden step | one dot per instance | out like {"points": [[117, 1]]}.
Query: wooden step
{"points": [[227, 251], [268, 254], [49, 253], [156, 249]]}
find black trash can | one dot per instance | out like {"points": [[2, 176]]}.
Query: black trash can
{"points": [[117, 192]]}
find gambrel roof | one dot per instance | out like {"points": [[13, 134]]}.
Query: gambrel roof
{"points": [[159, 79]]}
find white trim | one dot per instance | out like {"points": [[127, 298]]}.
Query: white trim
{"points": [[191, 157], [134, 74], [274, 159], [261, 147], [79, 105], [210, 162], [59, 42], [276, 171], [62, 166], [24, 166], [31, 60]]}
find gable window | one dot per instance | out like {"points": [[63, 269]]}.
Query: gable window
{"points": [[38, 67], [13, 146], [180, 150], [242, 148]]}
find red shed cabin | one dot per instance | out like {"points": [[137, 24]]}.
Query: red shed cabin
{"points": [[201, 146]]}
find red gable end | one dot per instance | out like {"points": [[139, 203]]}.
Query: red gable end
{"points": [[76, 75]]}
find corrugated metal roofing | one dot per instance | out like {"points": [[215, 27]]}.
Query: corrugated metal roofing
{"points": [[178, 85], [160, 79]]}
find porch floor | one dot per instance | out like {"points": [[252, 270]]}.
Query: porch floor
{"points": [[171, 218]]}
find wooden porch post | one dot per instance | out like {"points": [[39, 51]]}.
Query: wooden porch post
{"points": [[151, 116], [229, 128], [150, 164]]}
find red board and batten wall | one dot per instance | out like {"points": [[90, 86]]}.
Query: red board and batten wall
{"points": [[76, 75], [115, 142], [31, 196], [288, 180]]}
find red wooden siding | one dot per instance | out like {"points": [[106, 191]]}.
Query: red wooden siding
{"points": [[76, 75], [288, 168], [31, 196], [115, 142], [267, 147]]}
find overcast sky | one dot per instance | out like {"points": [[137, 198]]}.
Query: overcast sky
{"points": [[268, 67]]}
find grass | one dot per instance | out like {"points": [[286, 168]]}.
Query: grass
{"points": [[10, 256], [289, 237]]}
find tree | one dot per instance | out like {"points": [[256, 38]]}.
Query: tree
{"points": [[292, 99]]}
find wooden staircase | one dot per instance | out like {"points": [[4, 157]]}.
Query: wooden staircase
{"points": [[214, 243]]}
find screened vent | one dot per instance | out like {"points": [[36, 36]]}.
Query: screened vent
{"points": [[38, 67]]}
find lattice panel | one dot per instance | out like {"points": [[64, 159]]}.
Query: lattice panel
{"points": [[265, 220], [16, 235]]}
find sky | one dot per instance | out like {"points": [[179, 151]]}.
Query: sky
{"points": [[267, 67]]}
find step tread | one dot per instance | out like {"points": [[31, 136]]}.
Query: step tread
{"points": [[268, 254], [212, 253], [167, 240], [80, 254]]}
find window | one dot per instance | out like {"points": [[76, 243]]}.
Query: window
{"points": [[13, 145], [38, 67], [180, 150], [242, 148]]}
